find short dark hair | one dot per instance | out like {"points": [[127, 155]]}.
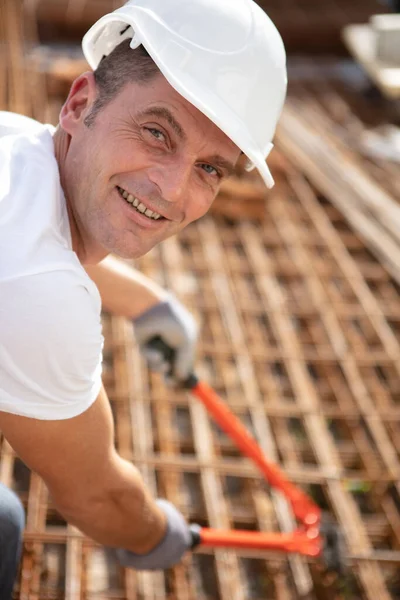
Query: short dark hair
{"points": [[121, 66]]}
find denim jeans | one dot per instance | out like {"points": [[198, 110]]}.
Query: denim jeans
{"points": [[12, 522]]}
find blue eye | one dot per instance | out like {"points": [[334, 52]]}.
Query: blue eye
{"points": [[210, 169], [156, 133]]}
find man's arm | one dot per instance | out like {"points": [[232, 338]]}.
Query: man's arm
{"points": [[124, 291], [92, 487], [155, 313]]}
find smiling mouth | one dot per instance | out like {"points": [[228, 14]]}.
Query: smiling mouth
{"points": [[139, 206]]}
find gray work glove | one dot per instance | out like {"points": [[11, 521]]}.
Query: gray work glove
{"points": [[169, 551], [173, 323]]}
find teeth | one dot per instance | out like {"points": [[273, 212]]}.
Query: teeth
{"points": [[139, 205], [123, 193]]}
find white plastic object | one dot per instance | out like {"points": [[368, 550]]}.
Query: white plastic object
{"points": [[225, 57]]}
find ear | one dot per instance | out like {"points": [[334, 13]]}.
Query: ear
{"points": [[79, 102]]}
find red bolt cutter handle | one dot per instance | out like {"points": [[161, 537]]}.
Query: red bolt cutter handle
{"points": [[303, 507], [307, 542]]}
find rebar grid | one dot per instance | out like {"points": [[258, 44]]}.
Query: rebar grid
{"points": [[299, 327], [322, 135], [283, 11], [22, 89], [305, 26], [338, 98]]}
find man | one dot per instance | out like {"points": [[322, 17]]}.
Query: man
{"points": [[179, 90]]}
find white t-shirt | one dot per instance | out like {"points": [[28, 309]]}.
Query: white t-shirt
{"points": [[50, 325]]}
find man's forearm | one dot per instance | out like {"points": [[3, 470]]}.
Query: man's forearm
{"points": [[123, 290], [121, 513], [91, 485]]}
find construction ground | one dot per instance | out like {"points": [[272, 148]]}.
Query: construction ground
{"points": [[297, 292]]}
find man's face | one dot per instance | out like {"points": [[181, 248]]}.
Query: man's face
{"points": [[148, 147]]}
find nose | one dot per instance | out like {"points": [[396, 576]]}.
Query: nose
{"points": [[172, 180]]}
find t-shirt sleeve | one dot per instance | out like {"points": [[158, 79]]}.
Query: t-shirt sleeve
{"points": [[13, 124], [50, 346]]}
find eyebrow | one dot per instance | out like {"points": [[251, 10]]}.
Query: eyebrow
{"points": [[164, 113]]}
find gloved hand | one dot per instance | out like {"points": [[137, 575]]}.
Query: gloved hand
{"points": [[174, 324], [169, 551]]}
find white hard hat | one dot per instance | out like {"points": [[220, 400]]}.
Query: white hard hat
{"points": [[225, 57]]}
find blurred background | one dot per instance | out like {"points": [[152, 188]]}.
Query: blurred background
{"points": [[297, 292]]}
